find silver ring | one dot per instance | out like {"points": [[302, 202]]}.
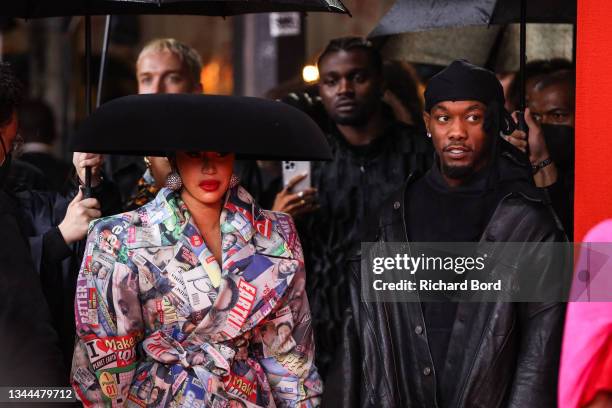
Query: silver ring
{"points": [[301, 194]]}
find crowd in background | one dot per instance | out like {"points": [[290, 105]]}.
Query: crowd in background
{"points": [[372, 113]]}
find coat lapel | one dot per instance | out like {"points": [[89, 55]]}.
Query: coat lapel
{"points": [[259, 260], [257, 267]]}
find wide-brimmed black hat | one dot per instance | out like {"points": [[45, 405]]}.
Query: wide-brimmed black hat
{"points": [[155, 125]]}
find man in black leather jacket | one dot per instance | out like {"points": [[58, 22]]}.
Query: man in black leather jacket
{"points": [[446, 354]]}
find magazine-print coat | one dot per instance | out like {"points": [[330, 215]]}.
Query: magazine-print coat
{"points": [[160, 323]]}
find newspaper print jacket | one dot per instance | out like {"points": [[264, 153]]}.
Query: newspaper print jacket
{"points": [[161, 324]]}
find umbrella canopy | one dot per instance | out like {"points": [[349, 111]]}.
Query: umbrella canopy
{"points": [[420, 15], [47, 8], [442, 46], [481, 45], [154, 125]]}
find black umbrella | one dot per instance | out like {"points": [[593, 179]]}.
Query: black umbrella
{"points": [[154, 125], [46, 8], [420, 15]]}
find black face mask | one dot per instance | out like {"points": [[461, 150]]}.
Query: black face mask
{"points": [[561, 145], [4, 169], [6, 164]]}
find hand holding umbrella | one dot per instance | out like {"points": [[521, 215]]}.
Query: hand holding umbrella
{"points": [[420, 15], [545, 171], [84, 161], [81, 211]]}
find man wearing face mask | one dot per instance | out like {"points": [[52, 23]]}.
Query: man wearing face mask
{"points": [[29, 352], [550, 117]]}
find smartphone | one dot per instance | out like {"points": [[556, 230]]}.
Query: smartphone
{"points": [[295, 168]]}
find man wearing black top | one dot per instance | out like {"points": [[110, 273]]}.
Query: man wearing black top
{"points": [[53, 224], [550, 117], [444, 354], [373, 154], [29, 350]]}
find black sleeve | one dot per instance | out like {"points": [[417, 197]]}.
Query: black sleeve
{"points": [[535, 381], [29, 352], [344, 387], [541, 325], [54, 247], [561, 199], [42, 212]]}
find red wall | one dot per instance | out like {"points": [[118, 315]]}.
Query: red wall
{"points": [[593, 194]]}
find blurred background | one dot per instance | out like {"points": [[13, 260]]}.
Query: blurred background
{"points": [[254, 55]]}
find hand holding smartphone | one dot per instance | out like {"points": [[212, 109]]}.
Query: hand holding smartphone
{"points": [[292, 169]]}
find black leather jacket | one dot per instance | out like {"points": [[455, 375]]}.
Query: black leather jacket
{"points": [[500, 354]]}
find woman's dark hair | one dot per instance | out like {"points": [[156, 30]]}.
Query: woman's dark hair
{"points": [[354, 43], [11, 93]]}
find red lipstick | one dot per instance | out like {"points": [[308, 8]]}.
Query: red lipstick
{"points": [[209, 185]]}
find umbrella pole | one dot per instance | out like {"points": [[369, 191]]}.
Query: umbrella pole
{"points": [[522, 60], [574, 31], [87, 189], [103, 59]]}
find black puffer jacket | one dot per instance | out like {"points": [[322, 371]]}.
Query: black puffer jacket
{"points": [[500, 354]]}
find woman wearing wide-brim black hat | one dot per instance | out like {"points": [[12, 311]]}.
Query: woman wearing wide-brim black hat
{"points": [[192, 277]]}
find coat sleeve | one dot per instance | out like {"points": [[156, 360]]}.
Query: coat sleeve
{"points": [[347, 386], [108, 317], [541, 328], [30, 354], [288, 348], [535, 378], [561, 198], [344, 389], [41, 212]]}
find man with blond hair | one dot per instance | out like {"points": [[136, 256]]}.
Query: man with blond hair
{"points": [[166, 65]]}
